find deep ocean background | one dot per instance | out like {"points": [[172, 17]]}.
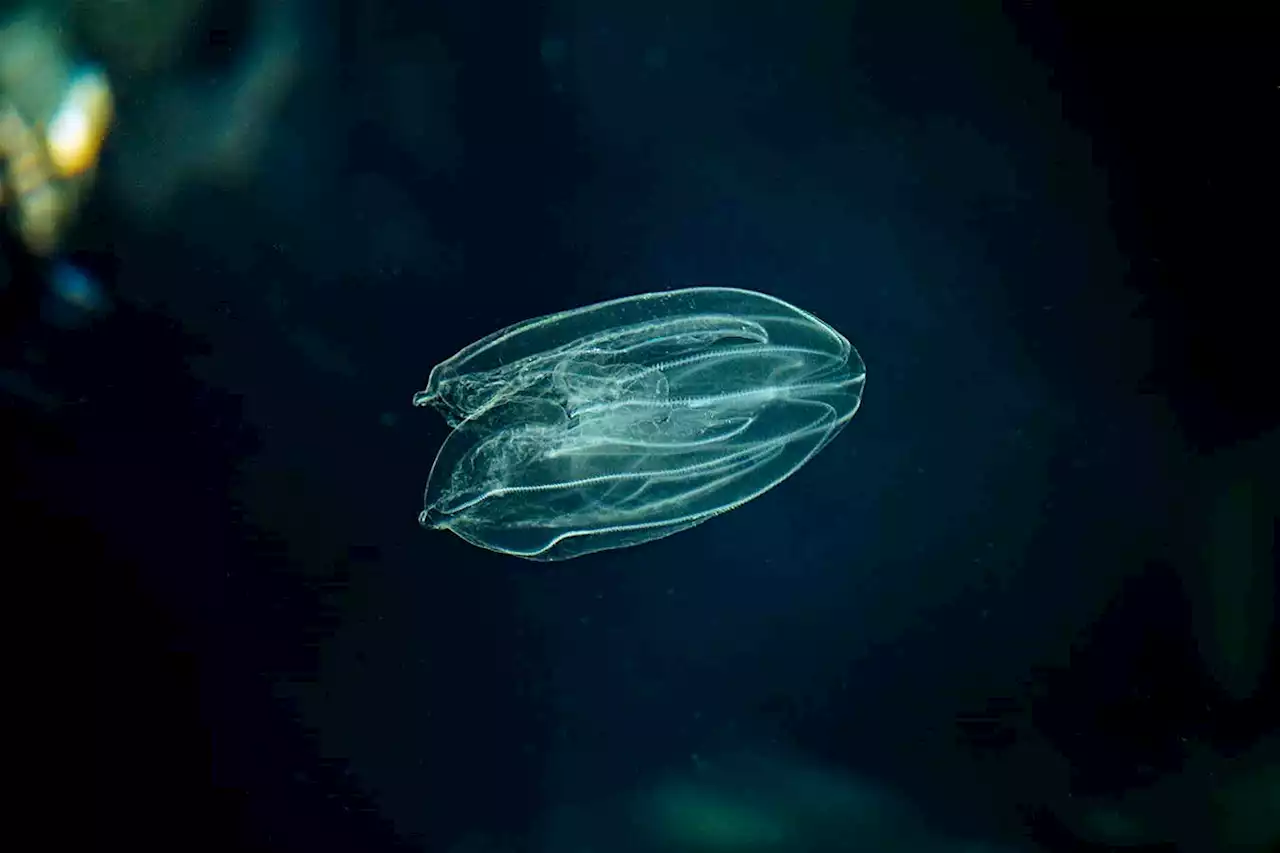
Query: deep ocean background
{"points": [[1049, 233]]}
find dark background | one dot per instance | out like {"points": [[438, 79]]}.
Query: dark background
{"points": [[1049, 232]]}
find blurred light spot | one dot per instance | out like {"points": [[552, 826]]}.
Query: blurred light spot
{"points": [[79, 126], [73, 298]]}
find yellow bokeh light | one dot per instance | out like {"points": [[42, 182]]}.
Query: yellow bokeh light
{"points": [[78, 128]]}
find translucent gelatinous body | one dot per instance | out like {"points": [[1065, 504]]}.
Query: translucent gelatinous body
{"points": [[629, 420]]}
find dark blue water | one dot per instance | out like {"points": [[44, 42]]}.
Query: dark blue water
{"points": [[1041, 252]]}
